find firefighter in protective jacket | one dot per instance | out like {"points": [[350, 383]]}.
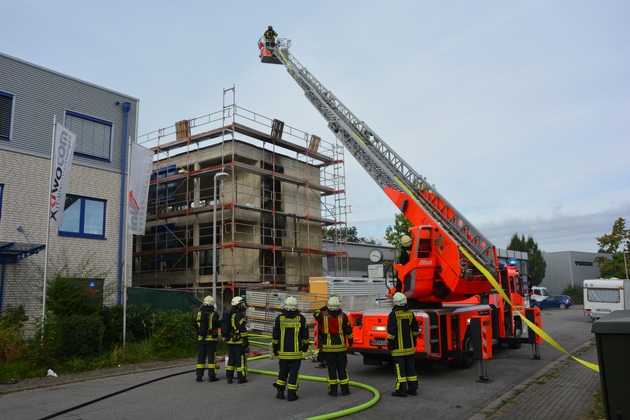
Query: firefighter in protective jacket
{"points": [[333, 328], [402, 332], [207, 335], [238, 342], [270, 37], [406, 242], [290, 341]]}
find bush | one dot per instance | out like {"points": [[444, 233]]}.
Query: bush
{"points": [[139, 323], [11, 342], [174, 329], [69, 296], [78, 334], [576, 293]]}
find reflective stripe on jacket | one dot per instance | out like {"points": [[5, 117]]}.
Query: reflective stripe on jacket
{"points": [[402, 330], [270, 35], [333, 327], [239, 327], [208, 323], [290, 334]]}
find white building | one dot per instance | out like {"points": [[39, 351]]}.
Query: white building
{"points": [[91, 235]]}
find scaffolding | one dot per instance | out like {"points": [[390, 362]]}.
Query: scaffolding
{"points": [[283, 192]]}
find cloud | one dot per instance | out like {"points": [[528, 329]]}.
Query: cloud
{"points": [[522, 130]]}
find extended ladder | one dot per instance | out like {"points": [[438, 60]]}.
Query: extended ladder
{"points": [[383, 164]]}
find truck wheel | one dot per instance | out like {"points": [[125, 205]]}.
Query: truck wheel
{"points": [[466, 362], [514, 344]]}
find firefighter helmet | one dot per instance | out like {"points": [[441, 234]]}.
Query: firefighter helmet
{"points": [[400, 299], [237, 300], [290, 304], [406, 240], [208, 301], [333, 303]]}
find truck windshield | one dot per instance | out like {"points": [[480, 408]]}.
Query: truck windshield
{"points": [[603, 295]]}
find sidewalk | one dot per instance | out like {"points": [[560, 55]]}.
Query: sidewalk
{"points": [[563, 389]]}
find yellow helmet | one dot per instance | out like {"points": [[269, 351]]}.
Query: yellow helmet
{"points": [[406, 240], [400, 299], [333, 303], [291, 304]]}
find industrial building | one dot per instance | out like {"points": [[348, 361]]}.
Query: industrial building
{"points": [[88, 245], [262, 191], [569, 268]]}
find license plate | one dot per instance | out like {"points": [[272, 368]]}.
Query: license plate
{"points": [[378, 342]]}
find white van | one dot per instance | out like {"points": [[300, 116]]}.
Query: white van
{"points": [[538, 293], [601, 297]]}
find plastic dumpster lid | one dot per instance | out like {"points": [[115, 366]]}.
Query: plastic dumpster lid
{"points": [[617, 322]]}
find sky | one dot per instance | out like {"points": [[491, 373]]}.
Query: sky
{"points": [[517, 112]]}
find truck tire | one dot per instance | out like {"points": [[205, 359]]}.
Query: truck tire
{"points": [[465, 362]]}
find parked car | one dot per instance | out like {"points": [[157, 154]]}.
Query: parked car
{"points": [[560, 301]]}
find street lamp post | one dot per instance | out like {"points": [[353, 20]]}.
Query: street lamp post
{"points": [[214, 235]]}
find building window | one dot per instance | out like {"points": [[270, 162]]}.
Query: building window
{"points": [[6, 115], [164, 191], [83, 217], [94, 136]]}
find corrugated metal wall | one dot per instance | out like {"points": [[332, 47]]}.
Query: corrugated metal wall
{"points": [[41, 93], [569, 268]]}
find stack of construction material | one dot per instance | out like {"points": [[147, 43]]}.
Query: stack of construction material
{"points": [[264, 305]]}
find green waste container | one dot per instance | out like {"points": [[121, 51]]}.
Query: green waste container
{"points": [[612, 334]]}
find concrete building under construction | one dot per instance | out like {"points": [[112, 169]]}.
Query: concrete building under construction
{"points": [[270, 190]]}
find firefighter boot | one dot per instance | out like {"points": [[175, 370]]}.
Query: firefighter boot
{"points": [[332, 390], [213, 378], [413, 388], [292, 395], [230, 376], [280, 394], [345, 390], [199, 378], [242, 380]]}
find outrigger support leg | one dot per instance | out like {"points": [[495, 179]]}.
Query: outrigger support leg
{"points": [[481, 332], [483, 371], [536, 352]]}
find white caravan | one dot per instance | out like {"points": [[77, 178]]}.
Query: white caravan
{"points": [[601, 297]]}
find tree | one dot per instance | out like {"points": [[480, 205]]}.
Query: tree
{"points": [[351, 233], [401, 227], [616, 243], [536, 262]]}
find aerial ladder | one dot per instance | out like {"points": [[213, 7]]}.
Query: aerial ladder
{"points": [[418, 200], [439, 271]]}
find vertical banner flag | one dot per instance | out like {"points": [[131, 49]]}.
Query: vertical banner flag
{"points": [[139, 176], [63, 151]]}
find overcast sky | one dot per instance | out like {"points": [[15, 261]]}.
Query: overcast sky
{"points": [[518, 112]]}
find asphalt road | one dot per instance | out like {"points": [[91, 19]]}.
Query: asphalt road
{"points": [[171, 392]]}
